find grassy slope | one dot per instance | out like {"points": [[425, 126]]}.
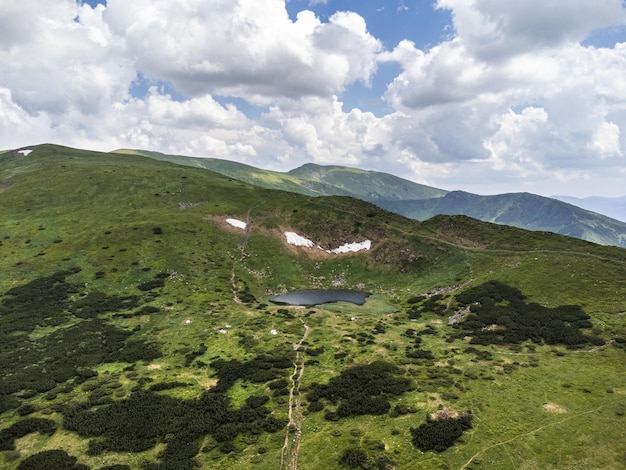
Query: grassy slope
{"points": [[421, 202], [311, 179], [520, 210], [60, 204], [240, 171], [363, 184]]}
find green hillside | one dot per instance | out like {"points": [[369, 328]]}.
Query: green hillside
{"points": [[239, 171], [137, 331], [420, 202], [312, 179], [370, 186]]}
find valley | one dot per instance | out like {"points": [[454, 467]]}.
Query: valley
{"points": [[138, 329]]}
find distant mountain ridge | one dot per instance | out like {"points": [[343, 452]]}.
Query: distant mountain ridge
{"points": [[614, 207], [420, 202], [363, 184], [311, 179], [523, 210]]}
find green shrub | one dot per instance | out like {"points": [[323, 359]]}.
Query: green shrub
{"points": [[440, 434], [353, 458]]}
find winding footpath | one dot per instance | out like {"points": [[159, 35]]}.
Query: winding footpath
{"points": [[532, 432], [242, 256], [295, 406], [296, 417]]}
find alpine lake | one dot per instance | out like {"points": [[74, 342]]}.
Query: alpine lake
{"points": [[312, 297]]}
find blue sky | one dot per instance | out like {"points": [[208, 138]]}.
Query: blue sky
{"points": [[391, 21], [481, 95]]}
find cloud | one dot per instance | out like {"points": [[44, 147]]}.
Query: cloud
{"points": [[505, 96], [402, 6], [52, 62], [513, 99], [493, 29], [447, 73], [17, 127], [606, 140], [244, 48], [197, 113], [316, 129]]}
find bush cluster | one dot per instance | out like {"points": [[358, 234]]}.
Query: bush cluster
{"points": [[353, 458], [152, 284], [145, 418], [440, 434], [51, 459], [500, 315], [23, 427], [54, 358], [191, 356], [40, 302], [260, 370], [96, 303], [360, 390], [425, 304]]}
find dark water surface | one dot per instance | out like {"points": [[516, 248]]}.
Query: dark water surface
{"points": [[321, 296]]}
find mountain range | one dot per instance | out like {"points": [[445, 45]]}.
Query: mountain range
{"points": [[420, 202], [614, 207]]}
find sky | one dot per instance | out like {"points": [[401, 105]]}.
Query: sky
{"points": [[485, 96]]}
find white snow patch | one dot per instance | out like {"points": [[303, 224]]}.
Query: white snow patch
{"points": [[25, 152], [274, 332], [223, 332], [295, 239], [352, 247], [298, 240], [237, 223]]}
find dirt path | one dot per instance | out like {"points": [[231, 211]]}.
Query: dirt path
{"points": [[575, 351], [295, 406], [597, 348], [529, 433], [242, 255], [296, 417]]}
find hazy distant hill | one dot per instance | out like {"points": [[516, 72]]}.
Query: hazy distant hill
{"points": [[421, 202], [522, 210], [239, 171], [311, 179], [363, 184], [614, 207]]}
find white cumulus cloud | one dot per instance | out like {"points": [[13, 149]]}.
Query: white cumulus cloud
{"points": [[494, 29], [245, 48], [512, 99]]}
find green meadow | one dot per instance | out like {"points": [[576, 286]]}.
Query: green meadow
{"points": [[137, 330]]}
